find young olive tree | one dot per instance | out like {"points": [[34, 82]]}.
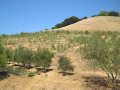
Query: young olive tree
{"points": [[24, 56], [103, 53], [43, 58], [17, 56], [3, 60], [65, 64], [9, 55]]}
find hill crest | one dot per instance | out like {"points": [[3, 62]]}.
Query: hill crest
{"points": [[98, 23]]}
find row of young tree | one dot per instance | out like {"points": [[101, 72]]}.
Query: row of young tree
{"points": [[24, 57]]}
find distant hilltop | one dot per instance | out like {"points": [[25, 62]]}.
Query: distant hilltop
{"points": [[98, 23]]}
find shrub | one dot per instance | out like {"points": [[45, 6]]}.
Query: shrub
{"points": [[43, 58], [3, 60], [9, 55], [17, 55], [65, 64], [103, 53], [31, 74], [28, 56], [23, 56]]}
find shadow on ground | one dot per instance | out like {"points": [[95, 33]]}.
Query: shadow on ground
{"points": [[4, 76], [43, 70], [66, 73], [100, 83]]}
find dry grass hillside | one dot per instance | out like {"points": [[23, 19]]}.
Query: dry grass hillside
{"points": [[63, 43], [98, 23]]}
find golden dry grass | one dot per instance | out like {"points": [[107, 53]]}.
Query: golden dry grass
{"points": [[98, 23], [53, 80]]}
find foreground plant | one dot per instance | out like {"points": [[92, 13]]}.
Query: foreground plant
{"points": [[65, 65], [43, 58], [24, 56], [3, 60], [103, 53]]}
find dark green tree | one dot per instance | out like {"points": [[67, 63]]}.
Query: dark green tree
{"points": [[84, 18], [57, 26], [113, 13], [67, 22]]}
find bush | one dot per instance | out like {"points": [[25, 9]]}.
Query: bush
{"points": [[65, 64], [23, 56], [31, 74], [103, 53], [9, 55], [43, 58], [3, 60]]}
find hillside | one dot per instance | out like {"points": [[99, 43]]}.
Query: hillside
{"points": [[60, 43], [98, 23], [65, 43]]}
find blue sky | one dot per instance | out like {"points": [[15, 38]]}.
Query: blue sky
{"points": [[34, 15]]}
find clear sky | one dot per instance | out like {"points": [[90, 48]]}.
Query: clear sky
{"points": [[34, 15]]}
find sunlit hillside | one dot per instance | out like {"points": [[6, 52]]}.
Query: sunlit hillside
{"points": [[98, 23], [61, 43]]}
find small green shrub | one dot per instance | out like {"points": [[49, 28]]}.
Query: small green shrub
{"points": [[3, 60], [31, 74], [43, 58], [9, 55], [65, 64], [23, 56]]}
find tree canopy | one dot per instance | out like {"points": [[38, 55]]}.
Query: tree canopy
{"points": [[67, 22], [106, 13]]}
